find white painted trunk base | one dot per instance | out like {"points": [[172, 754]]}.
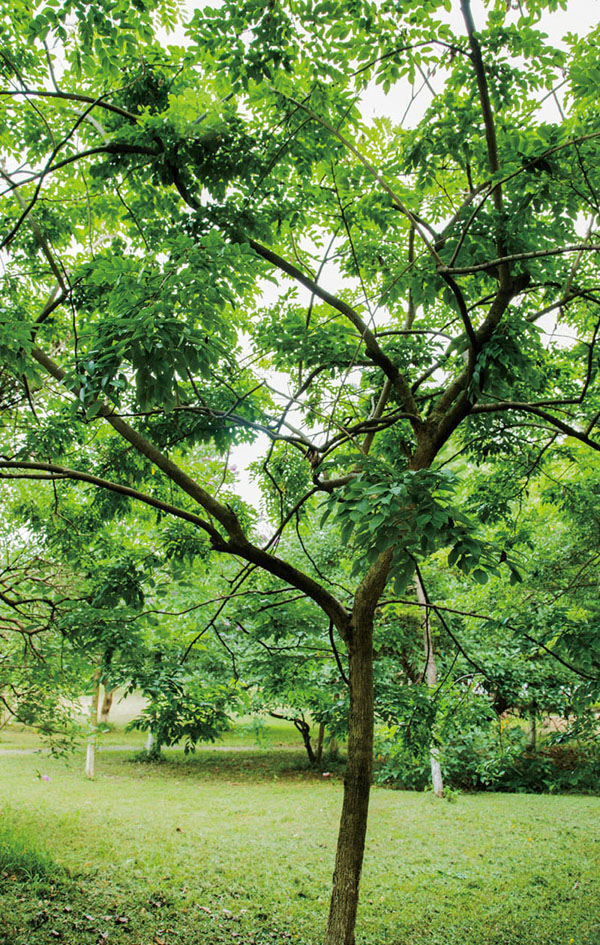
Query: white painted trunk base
{"points": [[90, 757], [436, 773], [437, 782]]}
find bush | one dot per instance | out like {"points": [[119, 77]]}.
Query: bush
{"points": [[478, 760], [399, 766], [555, 770]]}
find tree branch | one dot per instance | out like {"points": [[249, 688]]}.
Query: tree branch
{"points": [[55, 473], [515, 257]]}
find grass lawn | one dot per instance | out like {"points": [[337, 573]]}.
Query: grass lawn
{"points": [[237, 847]]}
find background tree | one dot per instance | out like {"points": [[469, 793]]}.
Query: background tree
{"points": [[37, 682], [527, 651]]}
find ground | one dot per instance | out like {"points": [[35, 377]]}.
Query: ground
{"points": [[238, 846]]}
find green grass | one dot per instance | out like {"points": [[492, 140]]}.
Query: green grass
{"points": [[21, 855], [238, 847]]}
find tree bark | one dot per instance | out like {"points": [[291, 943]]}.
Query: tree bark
{"points": [[304, 729], [359, 765], [320, 740], [357, 786], [532, 731], [431, 677], [90, 755], [109, 695]]}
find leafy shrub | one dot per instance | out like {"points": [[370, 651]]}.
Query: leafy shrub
{"points": [[555, 770], [477, 759], [399, 766], [186, 710]]}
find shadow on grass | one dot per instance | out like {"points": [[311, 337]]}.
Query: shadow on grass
{"points": [[247, 766], [86, 910]]}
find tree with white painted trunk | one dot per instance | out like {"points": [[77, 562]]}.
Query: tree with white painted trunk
{"points": [[92, 739], [431, 678]]}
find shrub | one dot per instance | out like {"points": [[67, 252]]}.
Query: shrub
{"points": [[477, 759]]}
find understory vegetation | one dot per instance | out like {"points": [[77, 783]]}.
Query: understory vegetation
{"points": [[489, 759]]}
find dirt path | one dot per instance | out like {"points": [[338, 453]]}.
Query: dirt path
{"points": [[133, 748]]}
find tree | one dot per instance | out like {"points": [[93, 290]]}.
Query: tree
{"points": [[116, 610], [528, 651], [154, 191], [37, 683]]}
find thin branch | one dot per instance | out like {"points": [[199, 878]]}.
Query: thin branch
{"points": [[74, 97], [515, 257], [466, 613], [538, 412], [337, 655], [398, 203], [52, 472]]}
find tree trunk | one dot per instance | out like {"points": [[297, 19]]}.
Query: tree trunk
{"points": [[532, 732], [304, 729], [357, 786], [320, 740], [107, 702], [431, 678], [90, 755], [359, 764]]}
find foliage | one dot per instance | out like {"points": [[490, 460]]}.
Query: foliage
{"points": [[188, 711], [412, 513], [479, 759]]}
